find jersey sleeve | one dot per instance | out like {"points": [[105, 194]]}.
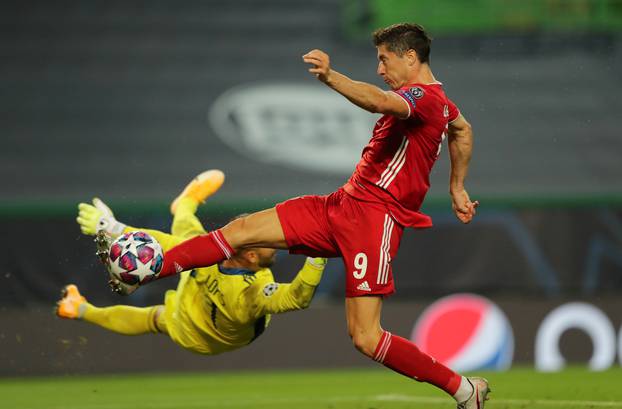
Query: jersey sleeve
{"points": [[413, 97], [452, 111], [272, 298]]}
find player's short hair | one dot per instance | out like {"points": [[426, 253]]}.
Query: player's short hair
{"points": [[399, 38]]}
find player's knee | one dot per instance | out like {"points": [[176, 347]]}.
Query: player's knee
{"points": [[364, 341]]}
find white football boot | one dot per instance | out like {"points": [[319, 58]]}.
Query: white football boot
{"points": [[479, 395]]}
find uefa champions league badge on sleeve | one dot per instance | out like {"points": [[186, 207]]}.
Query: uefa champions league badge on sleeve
{"points": [[408, 95], [466, 332], [270, 289], [416, 92]]}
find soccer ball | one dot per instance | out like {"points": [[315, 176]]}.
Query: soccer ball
{"points": [[135, 258]]}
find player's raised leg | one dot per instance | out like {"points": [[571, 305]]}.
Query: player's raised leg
{"points": [[122, 319], [261, 229]]}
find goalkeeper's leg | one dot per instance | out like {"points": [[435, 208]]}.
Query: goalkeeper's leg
{"points": [[122, 319], [184, 207], [185, 222]]}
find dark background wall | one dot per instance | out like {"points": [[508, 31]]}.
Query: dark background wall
{"points": [[112, 98], [51, 346]]}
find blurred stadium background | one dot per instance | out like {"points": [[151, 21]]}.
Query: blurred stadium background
{"points": [[129, 100]]}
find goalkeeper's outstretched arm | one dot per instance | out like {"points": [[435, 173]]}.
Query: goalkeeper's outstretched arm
{"points": [[99, 217], [273, 298], [99, 221]]}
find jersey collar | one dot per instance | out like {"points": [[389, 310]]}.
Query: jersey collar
{"points": [[235, 271]]}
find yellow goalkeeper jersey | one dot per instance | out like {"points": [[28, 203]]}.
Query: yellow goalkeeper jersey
{"points": [[216, 309]]}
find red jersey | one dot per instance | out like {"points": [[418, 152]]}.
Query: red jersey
{"points": [[396, 163]]}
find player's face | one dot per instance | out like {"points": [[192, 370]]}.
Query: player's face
{"points": [[393, 69], [265, 257]]}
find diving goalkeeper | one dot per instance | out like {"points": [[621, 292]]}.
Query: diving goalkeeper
{"points": [[214, 309]]}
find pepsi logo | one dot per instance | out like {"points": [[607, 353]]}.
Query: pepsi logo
{"points": [[466, 332]]}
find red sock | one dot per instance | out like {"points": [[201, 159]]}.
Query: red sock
{"points": [[200, 251], [404, 357]]}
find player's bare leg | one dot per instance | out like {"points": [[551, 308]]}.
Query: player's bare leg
{"points": [[363, 319], [402, 356], [261, 229]]}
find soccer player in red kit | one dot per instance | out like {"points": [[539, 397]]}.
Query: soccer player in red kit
{"points": [[363, 221]]}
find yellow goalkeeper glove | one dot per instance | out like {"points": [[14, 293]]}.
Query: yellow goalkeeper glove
{"points": [[311, 272], [317, 262], [98, 217]]}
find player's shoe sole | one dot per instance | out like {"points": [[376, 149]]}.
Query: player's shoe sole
{"points": [[481, 389], [69, 304], [201, 187]]}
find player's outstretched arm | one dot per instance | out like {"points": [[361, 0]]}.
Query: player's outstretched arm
{"points": [[274, 298], [367, 96], [460, 141], [97, 217]]}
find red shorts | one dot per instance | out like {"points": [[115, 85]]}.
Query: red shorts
{"points": [[363, 233]]}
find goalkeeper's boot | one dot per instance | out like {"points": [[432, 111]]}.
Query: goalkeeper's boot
{"points": [[201, 187], [103, 241], [479, 395], [69, 305]]}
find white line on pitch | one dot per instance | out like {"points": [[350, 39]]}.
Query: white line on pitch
{"points": [[192, 403], [433, 400]]}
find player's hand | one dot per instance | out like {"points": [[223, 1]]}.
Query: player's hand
{"points": [[317, 262], [320, 62], [463, 207], [97, 217]]}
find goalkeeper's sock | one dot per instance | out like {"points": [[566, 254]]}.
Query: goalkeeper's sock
{"points": [[122, 319], [404, 357], [201, 251]]}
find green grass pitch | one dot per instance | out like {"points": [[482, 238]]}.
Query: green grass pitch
{"points": [[330, 389]]}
